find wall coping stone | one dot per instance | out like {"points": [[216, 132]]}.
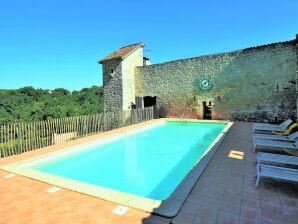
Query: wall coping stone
{"points": [[231, 53]]}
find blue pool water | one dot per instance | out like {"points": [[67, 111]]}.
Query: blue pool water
{"points": [[149, 163]]}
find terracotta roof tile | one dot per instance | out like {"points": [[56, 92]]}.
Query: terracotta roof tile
{"points": [[122, 52]]}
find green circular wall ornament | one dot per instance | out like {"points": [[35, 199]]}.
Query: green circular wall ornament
{"points": [[205, 83]]}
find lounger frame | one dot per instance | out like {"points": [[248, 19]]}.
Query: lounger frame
{"points": [[277, 173]]}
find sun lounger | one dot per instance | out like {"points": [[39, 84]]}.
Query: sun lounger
{"points": [[275, 172], [287, 131], [265, 158], [284, 123], [279, 128], [273, 145], [292, 137]]}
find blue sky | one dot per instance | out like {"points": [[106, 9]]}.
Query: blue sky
{"points": [[51, 44]]}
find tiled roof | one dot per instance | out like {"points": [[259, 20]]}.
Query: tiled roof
{"points": [[122, 52]]}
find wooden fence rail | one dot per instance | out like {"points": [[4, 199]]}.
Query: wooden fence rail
{"points": [[22, 137]]}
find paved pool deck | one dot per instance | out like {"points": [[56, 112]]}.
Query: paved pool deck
{"points": [[225, 193]]}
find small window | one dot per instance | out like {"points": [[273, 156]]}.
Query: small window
{"points": [[112, 72]]}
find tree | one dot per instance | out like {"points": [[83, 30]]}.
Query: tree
{"points": [[29, 104]]}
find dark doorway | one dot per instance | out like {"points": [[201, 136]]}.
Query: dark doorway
{"points": [[149, 101], [207, 109]]}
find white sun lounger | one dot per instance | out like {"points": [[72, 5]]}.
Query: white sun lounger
{"points": [[265, 158], [279, 128], [270, 144], [275, 172], [292, 137], [286, 122]]}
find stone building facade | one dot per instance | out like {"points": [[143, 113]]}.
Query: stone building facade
{"points": [[257, 83], [118, 77]]}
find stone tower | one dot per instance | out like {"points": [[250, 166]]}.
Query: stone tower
{"points": [[119, 77]]}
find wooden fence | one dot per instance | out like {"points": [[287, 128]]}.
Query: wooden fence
{"points": [[22, 137]]}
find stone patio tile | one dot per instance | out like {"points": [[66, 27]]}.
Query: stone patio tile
{"points": [[254, 193], [271, 212], [215, 195], [236, 180], [220, 180], [270, 206], [254, 213], [285, 201], [207, 212], [211, 202], [249, 187], [204, 189], [269, 194], [290, 213], [217, 186], [226, 218], [205, 179], [250, 202], [197, 193], [250, 172], [190, 208], [246, 220], [197, 188], [235, 188], [230, 207], [203, 220], [183, 218], [271, 200], [154, 220], [232, 197], [236, 170], [274, 222], [236, 177]]}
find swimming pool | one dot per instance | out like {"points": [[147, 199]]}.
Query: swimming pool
{"points": [[142, 166]]}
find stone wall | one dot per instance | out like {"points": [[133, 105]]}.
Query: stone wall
{"points": [[249, 84], [296, 80], [112, 91], [119, 85]]}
